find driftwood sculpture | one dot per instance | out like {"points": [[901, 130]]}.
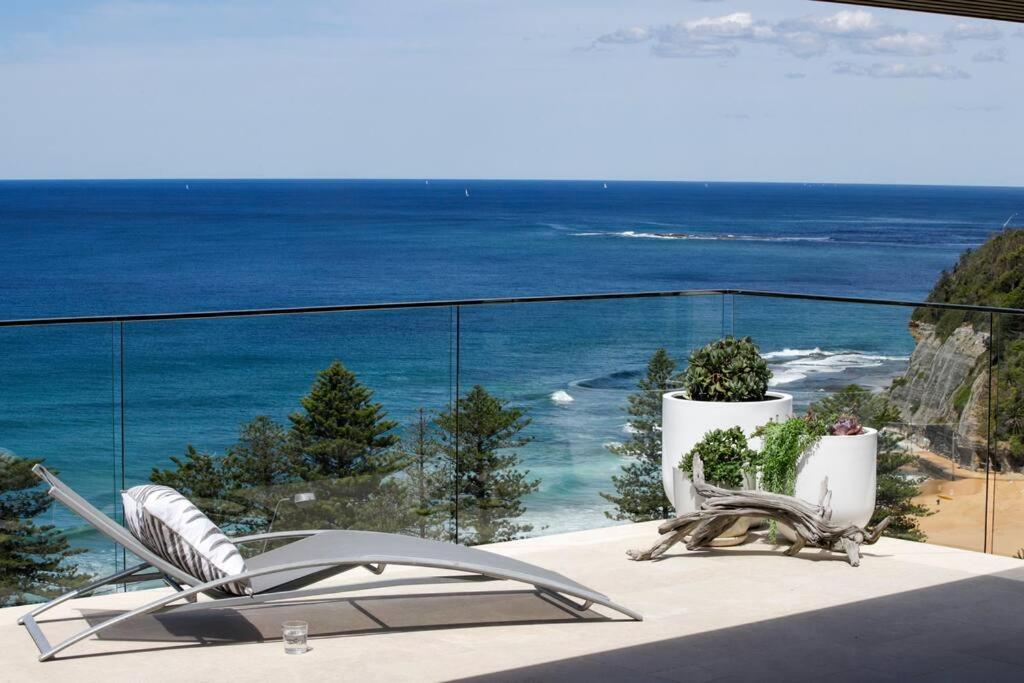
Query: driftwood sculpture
{"points": [[722, 507]]}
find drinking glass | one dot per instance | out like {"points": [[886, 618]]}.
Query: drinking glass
{"points": [[294, 634]]}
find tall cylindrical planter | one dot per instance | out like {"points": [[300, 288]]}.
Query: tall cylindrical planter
{"points": [[849, 465], [685, 422]]}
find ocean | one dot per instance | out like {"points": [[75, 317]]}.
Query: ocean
{"points": [[105, 247]]}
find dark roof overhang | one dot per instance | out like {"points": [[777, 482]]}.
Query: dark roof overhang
{"points": [[1002, 10]]}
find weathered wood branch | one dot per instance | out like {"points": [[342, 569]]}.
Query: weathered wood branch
{"points": [[722, 507]]}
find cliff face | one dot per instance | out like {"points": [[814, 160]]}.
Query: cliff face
{"points": [[946, 391], [944, 394]]}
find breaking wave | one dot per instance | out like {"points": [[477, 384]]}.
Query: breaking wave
{"points": [[562, 397], [711, 237], [798, 364], [621, 379]]}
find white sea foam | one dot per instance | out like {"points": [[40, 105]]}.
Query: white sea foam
{"points": [[629, 429], [608, 445], [806, 362], [562, 397], [785, 377], [790, 353], [710, 237]]}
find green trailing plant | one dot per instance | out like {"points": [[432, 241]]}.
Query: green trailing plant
{"points": [[784, 442], [727, 370], [725, 456]]}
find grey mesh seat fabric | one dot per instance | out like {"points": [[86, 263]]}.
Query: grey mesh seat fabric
{"points": [[309, 557], [369, 547]]}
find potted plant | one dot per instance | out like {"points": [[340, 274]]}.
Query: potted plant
{"points": [[799, 455], [725, 385], [729, 463]]}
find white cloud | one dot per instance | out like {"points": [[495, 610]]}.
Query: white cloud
{"points": [[705, 37], [943, 72], [846, 23], [973, 31], [904, 44], [855, 31], [698, 50], [735, 25], [625, 36], [992, 54], [796, 75]]}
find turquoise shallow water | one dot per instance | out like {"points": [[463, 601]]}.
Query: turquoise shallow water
{"points": [[129, 247]]}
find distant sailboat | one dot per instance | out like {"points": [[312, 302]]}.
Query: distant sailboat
{"points": [[186, 186], [467, 193], [426, 182], [606, 186]]}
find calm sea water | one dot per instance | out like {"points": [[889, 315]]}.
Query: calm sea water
{"points": [[76, 248]]}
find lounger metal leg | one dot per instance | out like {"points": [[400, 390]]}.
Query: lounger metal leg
{"points": [[113, 621], [376, 568], [579, 607], [177, 587], [82, 591]]}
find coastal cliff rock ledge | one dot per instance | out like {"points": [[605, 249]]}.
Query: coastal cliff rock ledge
{"points": [[943, 397]]}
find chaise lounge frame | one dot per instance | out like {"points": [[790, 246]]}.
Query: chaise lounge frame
{"points": [[281, 573]]}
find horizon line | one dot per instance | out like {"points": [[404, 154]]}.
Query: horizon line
{"points": [[498, 179]]}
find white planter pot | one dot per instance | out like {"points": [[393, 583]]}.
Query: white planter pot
{"points": [[849, 463], [685, 422], [688, 500]]}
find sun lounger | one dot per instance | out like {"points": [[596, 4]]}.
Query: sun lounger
{"points": [[280, 573]]}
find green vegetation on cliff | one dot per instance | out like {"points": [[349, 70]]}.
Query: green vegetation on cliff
{"points": [[991, 275]]}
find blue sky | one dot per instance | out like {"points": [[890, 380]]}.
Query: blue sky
{"points": [[780, 90]]}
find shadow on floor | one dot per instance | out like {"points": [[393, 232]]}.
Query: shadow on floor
{"points": [[964, 630], [339, 617]]}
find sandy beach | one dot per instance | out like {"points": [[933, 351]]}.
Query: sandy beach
{"points": [[958, 501]]}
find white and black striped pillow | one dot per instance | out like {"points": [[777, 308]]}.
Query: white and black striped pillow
{"points": [[172, 527]]}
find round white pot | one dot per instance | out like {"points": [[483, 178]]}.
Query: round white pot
{"points": [[848, 462], [687, 499], [685, 422]]}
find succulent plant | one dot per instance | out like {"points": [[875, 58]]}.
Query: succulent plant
{"points": [[725, 456], [845, 425], [727, 370]]}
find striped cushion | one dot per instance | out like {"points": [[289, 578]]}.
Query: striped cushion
{"points": [[176, 530]]}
